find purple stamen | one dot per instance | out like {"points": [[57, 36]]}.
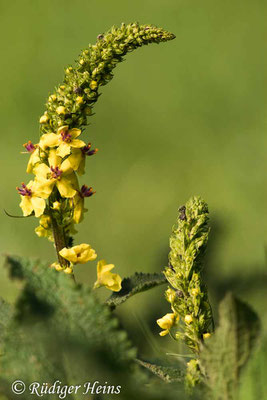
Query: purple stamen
{"points": [[29, 146], [66, 136], [55, 173], [86, 191], [23, 190], [86, 150]]}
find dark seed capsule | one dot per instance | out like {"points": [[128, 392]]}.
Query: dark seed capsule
{"points": [[100, 37]]}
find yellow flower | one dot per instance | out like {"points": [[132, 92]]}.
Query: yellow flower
{"points": [[106, 278], [93, 85], [34, 157], [206, 335], [57, 266], [44, 119], [81, 61], [68, 70], [31, 200], [58, 174], [77, 158], [78, 203], [79, 254], [44, 229], [167, 322], [60, 110], [68, 270], [188, 319], [64, 139]]}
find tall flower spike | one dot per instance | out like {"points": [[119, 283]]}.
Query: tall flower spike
{"points": [[187, 294], [61, 152]]}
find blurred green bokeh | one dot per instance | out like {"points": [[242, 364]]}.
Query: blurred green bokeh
{"points": [[182, 118]]}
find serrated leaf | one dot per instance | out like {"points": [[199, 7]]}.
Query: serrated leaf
{"points": [[228, 350], [168, 374], [137, 283], [60, 330]]}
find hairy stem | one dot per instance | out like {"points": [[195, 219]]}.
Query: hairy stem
{"points": [[60, 240]]}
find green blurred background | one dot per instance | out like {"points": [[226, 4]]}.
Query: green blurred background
{"points": [[182, 118]]}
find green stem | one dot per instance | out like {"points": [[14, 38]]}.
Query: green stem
{"points": [[60, 241]]}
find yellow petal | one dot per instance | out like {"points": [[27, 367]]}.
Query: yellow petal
{"points": [[66, 167], [115, 286], [44, 187], [54, 159], [57, 266], [63, 149], [103, 267], [49, 140], [45, 221], [63, 128], [79, 254], [74, 180], [38, 205], [164, 333], [65, 187], [41, 171], [26, 205], [68, 270], [77, 143], [167, 321], [40, 231], [34, 159], [78, 208], [74, 160], [75, 133], [68, 254], [81, 169]]}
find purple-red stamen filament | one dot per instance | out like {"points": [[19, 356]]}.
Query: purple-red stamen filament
{"points": [[86, 191], [87, 150], [56, 172], [24, 190], [66, 136], [29, 146]]}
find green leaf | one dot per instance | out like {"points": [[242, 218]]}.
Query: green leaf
{"points": [[60, 331], [136, 283], [228, 350], [168, 374]]}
